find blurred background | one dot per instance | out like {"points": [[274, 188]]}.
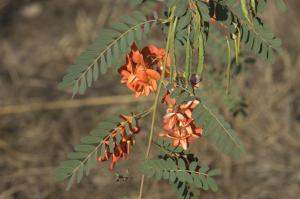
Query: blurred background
{"points": [[39, 39]]}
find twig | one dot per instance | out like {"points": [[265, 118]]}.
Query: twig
{"points": [[66, 104], [171, 33]]}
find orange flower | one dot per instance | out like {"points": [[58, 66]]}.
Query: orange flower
{"points": [[168, 100], [139, 72], [121, 149], [155, 55]]}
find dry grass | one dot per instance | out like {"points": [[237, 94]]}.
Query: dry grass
{"points": [[39, 39]]}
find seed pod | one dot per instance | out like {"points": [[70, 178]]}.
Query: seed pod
{"points": [[196, 81]]}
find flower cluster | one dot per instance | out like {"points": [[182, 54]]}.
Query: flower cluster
{"points": [[140, 74], [121, 148], [143, 69], [178, 122]]}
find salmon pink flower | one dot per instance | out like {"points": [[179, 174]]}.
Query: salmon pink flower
{"points": [[179, 123], [168, 100], [180, 138], [186, 107], [181, 128]]}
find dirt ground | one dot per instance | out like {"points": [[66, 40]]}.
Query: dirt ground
{"points": [[40, 39]]}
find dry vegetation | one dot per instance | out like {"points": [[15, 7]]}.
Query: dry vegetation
{"points": [[39, 39]]}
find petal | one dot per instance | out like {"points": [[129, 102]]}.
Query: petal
{"points": [[138, 86], [147, 90], [184, 144], [180, 116], [130, 86], [169, 115], [186, 105], [153, 49], [199, 131], [153, 74], [167, 127], [189, 121], [124, 67], [136, 129], [135, 55], [191, 139], [158, 52], [128, 146], [99, 158], [171, 123], [176, 135], [129, 65], [194, 104], [175, 143], [134, 47], [154, 85], [188, 113], [162, 135], [107, 155], [189, 130], [169, 100], [168, 61], [131, 78], [141, 74], [141, 84], [115, 157], [125, 73]]}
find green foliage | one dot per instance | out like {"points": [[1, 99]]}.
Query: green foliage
{"points": [[183, 172], [260, 41], [181, 93], [245, 8], [260, 5], [233, 101], [106, 50], [85, 155], [217, 129], [254, 34], [187, 17], [168, 147]]}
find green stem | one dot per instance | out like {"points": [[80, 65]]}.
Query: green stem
{"points": [[237, 46], [173, 68], [165, 150], [198, 25], [169, 39], [228, 66], [188, 58]]}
